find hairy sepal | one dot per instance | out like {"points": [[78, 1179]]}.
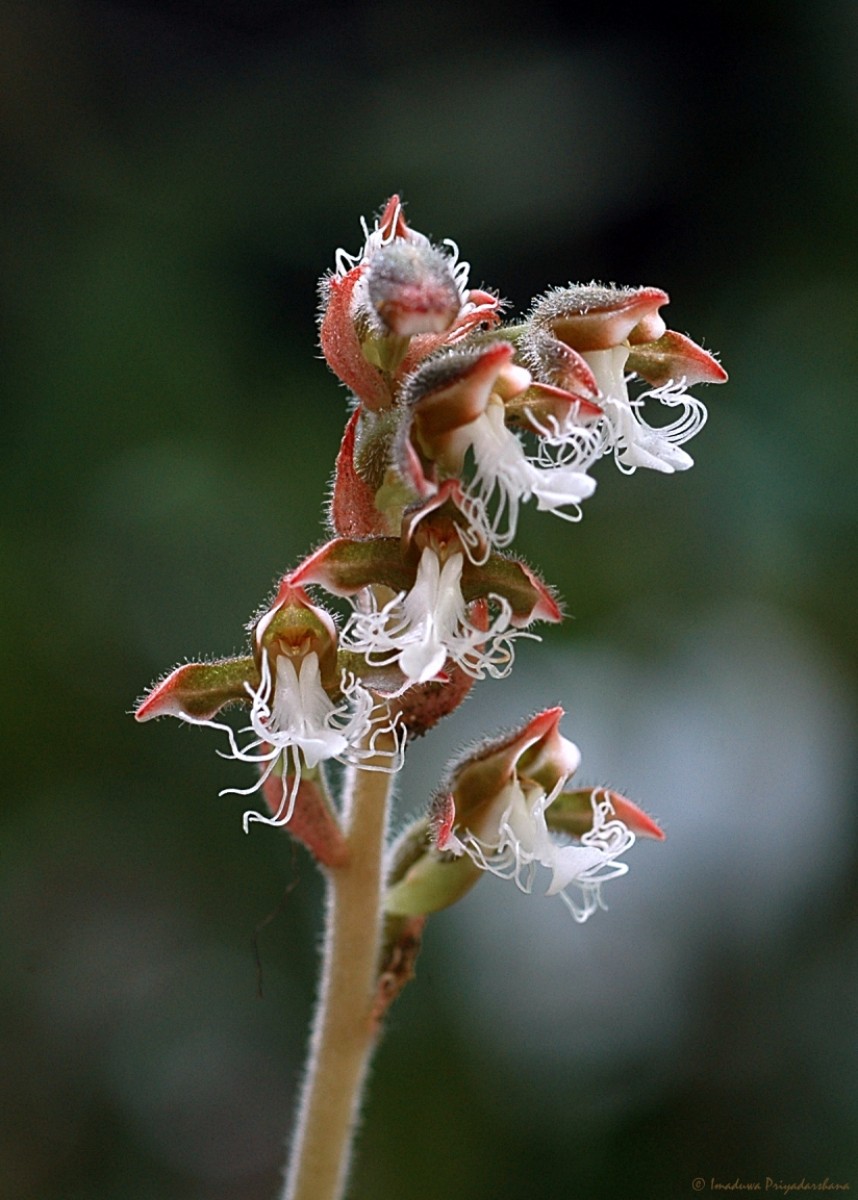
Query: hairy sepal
{"points": [[200, 690], [572, 813], [353, 512], [674, 356], [596, 316], [422, 880], [344, 566]]}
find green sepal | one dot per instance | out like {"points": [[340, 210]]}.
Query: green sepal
{"points": [[526, 594], [200, 690], [422, 880], [674, 356], [434, 882], [571, 812], [346, 565]]}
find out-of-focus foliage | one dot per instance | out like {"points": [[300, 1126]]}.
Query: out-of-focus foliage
{"points": [[175, 178]]}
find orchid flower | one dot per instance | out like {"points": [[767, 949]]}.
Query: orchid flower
{"points": [[419, 629], [304, 708], [456, 409], [520, 842], [608, 336], [445, 605], [509, 836], [503, 809]]}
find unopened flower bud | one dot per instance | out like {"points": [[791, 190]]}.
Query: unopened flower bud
{"points": [[412, 288]]}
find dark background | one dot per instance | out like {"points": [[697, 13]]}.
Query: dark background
{"points": [[175, 178]]}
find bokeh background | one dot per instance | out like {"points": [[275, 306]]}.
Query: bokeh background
{"points": [[175, 177]]}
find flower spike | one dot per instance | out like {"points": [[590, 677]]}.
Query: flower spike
{"points": [[457, 421]]}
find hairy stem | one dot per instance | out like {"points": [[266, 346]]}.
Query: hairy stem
{"points": [[344, 1031]]}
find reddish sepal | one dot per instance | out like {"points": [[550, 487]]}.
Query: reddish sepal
{"points": [[341, 345], [673, 357], [312, 821], [353, 512]]}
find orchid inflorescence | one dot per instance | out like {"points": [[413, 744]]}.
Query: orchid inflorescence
{"points": [[457, 420]]}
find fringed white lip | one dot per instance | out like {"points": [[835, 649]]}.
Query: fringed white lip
{"points": [[521, 841], [505, 478], [420, 629], [622, 430]]}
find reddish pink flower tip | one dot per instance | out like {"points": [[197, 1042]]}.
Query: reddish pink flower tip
{"points": [[443, 820], [633, 817], [392, 223], [674, 356]]}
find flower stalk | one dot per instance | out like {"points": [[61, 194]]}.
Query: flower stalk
{"points": [[344, 1030]]}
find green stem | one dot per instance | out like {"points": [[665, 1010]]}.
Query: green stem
{"points": [[344, 1031]]}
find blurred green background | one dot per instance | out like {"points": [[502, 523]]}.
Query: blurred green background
{"points": [[175, 178]]}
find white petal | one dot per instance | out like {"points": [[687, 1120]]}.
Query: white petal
{"points": [[560, 488], [608, 367], [506, 473], [421, 661], [581, 865]]}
